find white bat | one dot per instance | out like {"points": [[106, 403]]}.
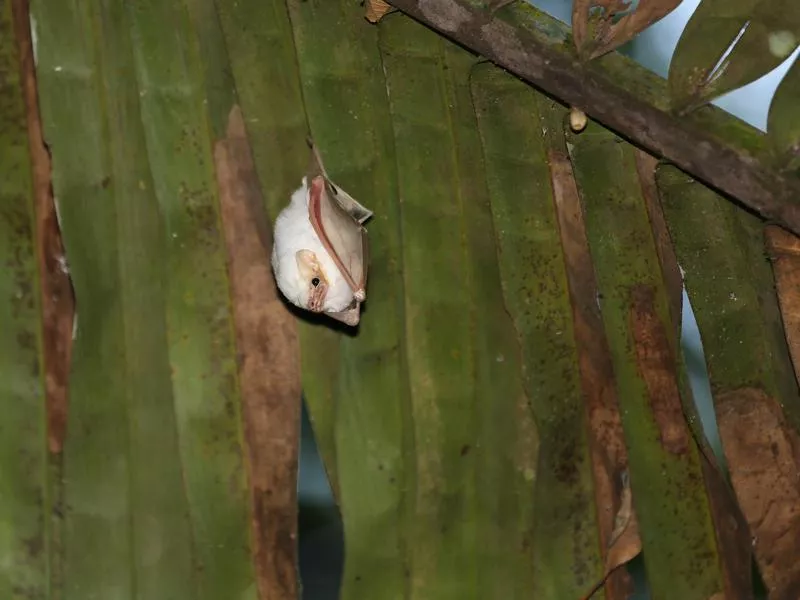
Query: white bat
{"points": [[320, 250]]}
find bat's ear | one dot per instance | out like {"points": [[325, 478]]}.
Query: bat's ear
{"points": [[335, 193], [307, 264]]}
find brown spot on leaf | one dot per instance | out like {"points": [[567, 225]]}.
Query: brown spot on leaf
{"points": [[763, 455], [656, 365], [607, 442], [269, 369], [58, 303], [730, 527]]}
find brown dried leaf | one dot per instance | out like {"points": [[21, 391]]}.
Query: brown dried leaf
{"points": [[784, 250], [599, 26], [657, 366], [731, 531], [269, 366], [625, 541], [375, 10], [608, 451], [58, 301], [763, 454], [729, 523]]}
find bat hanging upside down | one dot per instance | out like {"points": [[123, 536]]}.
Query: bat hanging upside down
{"points": [[320, 252]]}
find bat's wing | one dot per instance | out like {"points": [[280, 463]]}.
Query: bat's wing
{"points": [[349, 204], [342, 235]]}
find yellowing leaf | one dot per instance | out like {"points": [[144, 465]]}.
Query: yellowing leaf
{"points": [[599, 26]]}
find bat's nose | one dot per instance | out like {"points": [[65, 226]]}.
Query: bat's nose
{"points": [[317, 293]]}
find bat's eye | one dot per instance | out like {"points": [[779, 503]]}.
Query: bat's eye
{"points": [[334, 190], [315, 281]]}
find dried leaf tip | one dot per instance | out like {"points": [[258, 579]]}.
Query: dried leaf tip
{"points": [[375, 10], [600, 26], [625, 543]]}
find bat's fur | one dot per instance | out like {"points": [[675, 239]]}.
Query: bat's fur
{"points": [[293, 232]]}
